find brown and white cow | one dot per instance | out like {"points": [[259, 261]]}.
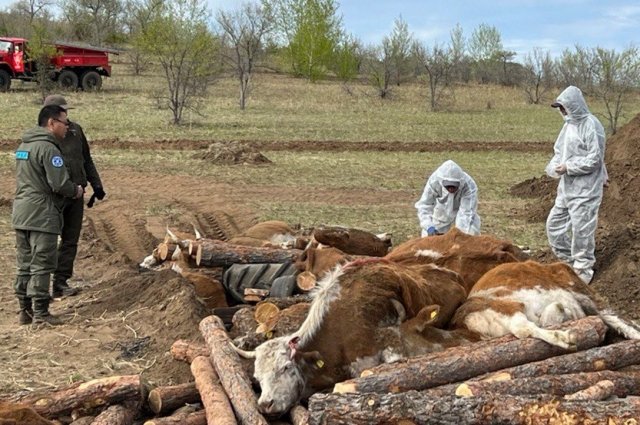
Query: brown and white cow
{"points": [[339, 337]]}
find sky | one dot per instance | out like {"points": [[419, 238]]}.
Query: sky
{"points": [[523, 24]]}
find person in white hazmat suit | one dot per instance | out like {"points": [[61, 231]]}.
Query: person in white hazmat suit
{"points": [[449, 197], [578, 163]]}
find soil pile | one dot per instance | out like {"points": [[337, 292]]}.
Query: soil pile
{"points": [[617, 238], [232, 154]]}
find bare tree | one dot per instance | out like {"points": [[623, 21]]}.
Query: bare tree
{"points": [[33, 8], [438, 64], [378, 67], [539, 78], [95, 20], [577, 68], [617, 78], [244, 31]]}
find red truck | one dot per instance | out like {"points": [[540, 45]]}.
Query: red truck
{"points": [[74, 66]]}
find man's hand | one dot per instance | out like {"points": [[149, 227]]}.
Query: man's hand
{"points": [[431, 231], [79, 192], [561, 169], [99, 192]]}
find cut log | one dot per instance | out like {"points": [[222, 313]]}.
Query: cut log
{"points": [[626, 383], [299, 415], [232, 375], [464, 362], [262, 293], [226, 313], [167, 399], [193, 248], [186, 351], [306, 281], [601, 390], [95, 393], [610, 357], [215, 401], [266, 312], [166, 250], [355, 409], [252, 298], [116, 415], [211, 253], [196, 418], [85, 420], [286, 302]]}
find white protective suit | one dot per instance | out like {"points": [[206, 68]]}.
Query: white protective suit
{"points": [[441, 209], [572, 222]]}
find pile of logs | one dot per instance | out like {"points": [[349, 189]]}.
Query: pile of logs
{"points": [[505, 380]]}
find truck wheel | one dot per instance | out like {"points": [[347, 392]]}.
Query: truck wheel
{"points": [[68, 80], [5, 80], [91, 81]]}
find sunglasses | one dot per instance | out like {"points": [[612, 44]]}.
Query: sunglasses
{"points": [[65, 123]]}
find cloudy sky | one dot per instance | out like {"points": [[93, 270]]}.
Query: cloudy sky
{"points": [[523, 24]]}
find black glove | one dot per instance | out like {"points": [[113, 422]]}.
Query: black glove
{"points": [[92, 201], [99, 192]]}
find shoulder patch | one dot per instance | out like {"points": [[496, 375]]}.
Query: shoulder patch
{"points": [[57, 161], [22, 154]]}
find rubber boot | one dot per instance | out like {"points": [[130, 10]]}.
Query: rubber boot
{"points": [[62, 289], [25, 316], [42, 316]]}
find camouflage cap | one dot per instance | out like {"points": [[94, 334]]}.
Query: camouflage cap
{"points": [[58, 100]]}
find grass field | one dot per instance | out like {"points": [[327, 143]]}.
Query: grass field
{"points": [[282, 108]]}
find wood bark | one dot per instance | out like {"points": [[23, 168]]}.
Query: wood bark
{"points": [[215, 401], [626, 383], [167, 399], [166, 250], [601, 390], [115, 415], [95, 393], [196, 418], [464, 362], [85, 420], [610, 357], [212, 253], [186, 351], [355, 409], [299, 415], [232, 375], [227, 313]]}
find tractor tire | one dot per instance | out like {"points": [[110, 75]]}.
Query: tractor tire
{"points": [[5, 80], [68, 80], [91, 81]]}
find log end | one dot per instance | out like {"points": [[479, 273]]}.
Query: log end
{"points": [[155, 401], [306, 281], [365, 373], [463, 390], [344, 387], [498, 377]]}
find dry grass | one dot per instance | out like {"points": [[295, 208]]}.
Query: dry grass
{"points": [[283, 108]]}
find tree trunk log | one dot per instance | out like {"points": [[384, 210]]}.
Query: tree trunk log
{"points": [[369, 409], [186, 351], [167, 399], [599, 391], [610, 357], [299, 415], [229, 368], [464, 362], [214, 399], [626, 383], [196, 418], [95, 393], [115, 415], [166, 250], [212, 253]]}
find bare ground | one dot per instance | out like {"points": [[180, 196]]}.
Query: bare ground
{"points": [[125, 320]]}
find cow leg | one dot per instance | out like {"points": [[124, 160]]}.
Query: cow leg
{"points": [[520, 326], [553, 314]]}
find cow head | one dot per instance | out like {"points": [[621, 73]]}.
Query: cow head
{"points": [[283, 371]]}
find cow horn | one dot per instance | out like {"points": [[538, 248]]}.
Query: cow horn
{"points": [[172, 236], [244, 354]]}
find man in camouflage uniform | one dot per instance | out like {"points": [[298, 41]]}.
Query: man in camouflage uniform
{"points": [[77, 159], [42, 183]]}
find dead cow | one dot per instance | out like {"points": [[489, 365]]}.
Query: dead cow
{"points": [[268, 233], [337, 340], [353, 241]]}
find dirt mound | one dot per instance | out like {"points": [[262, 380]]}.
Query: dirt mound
{"points": [[617, 238], [232, 154]]}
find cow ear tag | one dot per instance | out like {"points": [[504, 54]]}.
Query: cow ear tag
{"points": [[434, 314], [269, 335], [320, 363]]}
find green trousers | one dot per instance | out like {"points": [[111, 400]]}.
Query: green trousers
{"points": [[36, 257], [72, 213]]}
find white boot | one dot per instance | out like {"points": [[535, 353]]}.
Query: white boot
{"points": [[586, 275]]}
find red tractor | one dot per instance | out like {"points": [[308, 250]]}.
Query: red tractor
{"points": [[74, 66]]}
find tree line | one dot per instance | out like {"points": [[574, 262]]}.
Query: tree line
{"points": [[307, 39]]}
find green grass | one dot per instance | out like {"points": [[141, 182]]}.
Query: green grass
{"points": [[281, 108]]}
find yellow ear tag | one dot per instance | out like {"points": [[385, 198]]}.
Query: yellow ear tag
{"points": [[434, 314], [320, 363], [269, 335]]}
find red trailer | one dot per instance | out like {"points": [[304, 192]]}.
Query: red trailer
{"points": [[74, 66]]}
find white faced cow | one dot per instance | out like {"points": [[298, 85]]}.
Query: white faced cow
{"points": [[339, 337]]}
